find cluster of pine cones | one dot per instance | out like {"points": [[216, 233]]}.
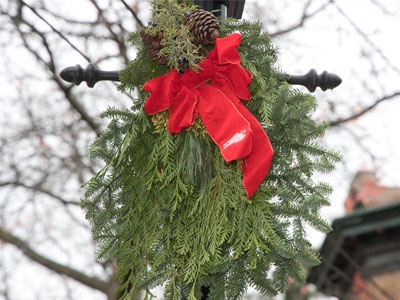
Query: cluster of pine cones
{"points": [[204, 26]]}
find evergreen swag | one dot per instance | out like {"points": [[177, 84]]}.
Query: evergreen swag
{"points": [[169, 210]]}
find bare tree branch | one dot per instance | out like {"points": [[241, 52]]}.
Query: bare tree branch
{"points": [[50, 66], [55, 30], [382, 7], [39, 188], [366, 38], [90, 281], [115, 37], [305, 16], [364, 110], [134, 14], [55, 157], [76, 104], [4, 290]]}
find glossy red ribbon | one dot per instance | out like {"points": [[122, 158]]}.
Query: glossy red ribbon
{"points": [[228, 122]]}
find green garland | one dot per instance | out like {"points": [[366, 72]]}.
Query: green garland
{"points": [[169, 210]]}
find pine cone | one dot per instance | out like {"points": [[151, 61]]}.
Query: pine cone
{"points": [[155, 46], [204, 26], [183, 66]]}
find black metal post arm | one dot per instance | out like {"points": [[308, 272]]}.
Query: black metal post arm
{"points": [[312, 80], [91, 75]]}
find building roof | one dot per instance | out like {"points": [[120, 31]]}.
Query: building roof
{"points": [[365, 233]]}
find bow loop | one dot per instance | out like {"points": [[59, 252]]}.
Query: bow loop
{"points": [[163, 89], [225, 50], [236, 79]]}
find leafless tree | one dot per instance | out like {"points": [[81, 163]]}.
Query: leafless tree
{"points": [[46, 125]]}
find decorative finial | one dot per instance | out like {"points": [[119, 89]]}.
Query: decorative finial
{"points": [[90, 75], [312, 80]]}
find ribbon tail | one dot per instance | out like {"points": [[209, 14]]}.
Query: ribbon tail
{"points": [[256, 165], [224, 123], [183, 110]]}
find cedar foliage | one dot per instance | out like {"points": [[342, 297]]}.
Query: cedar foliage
{"points": [[169, 210], [177, 44]]}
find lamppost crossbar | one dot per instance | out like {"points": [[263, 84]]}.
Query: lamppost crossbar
{"points": [[91, 75]]}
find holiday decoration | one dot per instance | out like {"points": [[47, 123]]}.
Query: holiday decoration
{"points": [[204, 26], [192, 195], [229, 124]]}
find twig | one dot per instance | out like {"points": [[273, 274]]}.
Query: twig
{"points": [[41, 190], [51, 67], [303, 18], [366, 38], [115, 37], [134, 14], [55, 30], [363, 111], [93, 282]]}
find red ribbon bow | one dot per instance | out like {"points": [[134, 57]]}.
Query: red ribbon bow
{"points": [[229, 124]]}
